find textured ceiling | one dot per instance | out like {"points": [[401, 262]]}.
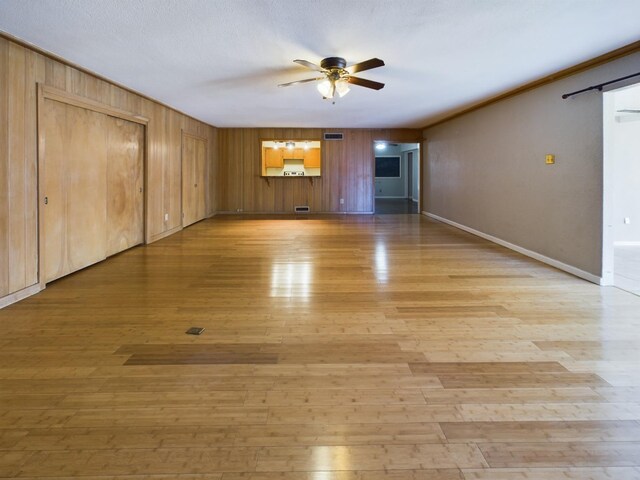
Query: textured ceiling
{"points": [[220, 60]]}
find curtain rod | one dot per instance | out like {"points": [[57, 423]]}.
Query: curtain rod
{"points": [[599, 87]]}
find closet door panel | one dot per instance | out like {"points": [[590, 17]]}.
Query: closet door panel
{"points": [[201, 177], [125, 197], [86, 187], [188, 180], [194, 207], [54, 120]]}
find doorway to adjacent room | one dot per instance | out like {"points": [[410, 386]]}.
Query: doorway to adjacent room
{"points": [[397, 177], [621, 196]]}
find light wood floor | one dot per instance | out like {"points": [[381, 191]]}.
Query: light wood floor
{"points": [[627, 268], [336, 348]]}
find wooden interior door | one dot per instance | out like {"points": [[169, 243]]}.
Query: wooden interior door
{"points": [[93, 179], [54, 210], [75, 187], [125, 180], [194, 191]]}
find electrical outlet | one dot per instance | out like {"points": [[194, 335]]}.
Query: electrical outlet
{"points": [[166, 217], [550, 159], [627, 220], [342, 201]]}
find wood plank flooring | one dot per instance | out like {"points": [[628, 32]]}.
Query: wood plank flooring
{"points": [[385, 347]]}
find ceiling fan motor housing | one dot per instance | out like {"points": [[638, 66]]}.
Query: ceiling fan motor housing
{"points": [[333, 62]]}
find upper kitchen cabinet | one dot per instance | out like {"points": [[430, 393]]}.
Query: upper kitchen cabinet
{"points": [[312, 158], [293, 154], [291, 158], [272, 158]]}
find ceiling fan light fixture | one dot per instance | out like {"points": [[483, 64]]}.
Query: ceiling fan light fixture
{"points": [[338, 77], [326, 88], [342, 87]]}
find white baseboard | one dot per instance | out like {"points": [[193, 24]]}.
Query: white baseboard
{"points": [[626, 244], [404, 197], [529, 253]]}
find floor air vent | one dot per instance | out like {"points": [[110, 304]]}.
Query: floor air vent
{"points": [[333, 136], [195, 331], [301, 209]]}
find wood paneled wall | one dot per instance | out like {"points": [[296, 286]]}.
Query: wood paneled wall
{"points": [[347, 171], [21, 69]]}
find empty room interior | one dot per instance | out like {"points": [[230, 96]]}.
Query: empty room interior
{"points": [[301, 240]]}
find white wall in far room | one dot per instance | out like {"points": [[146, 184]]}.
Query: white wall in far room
{"points": [[415, 176], [392, 187], [625, 149]]}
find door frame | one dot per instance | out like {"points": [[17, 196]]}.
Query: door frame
{"points": [[607, 276], [45, 92], [417, 138], [608, 110]]}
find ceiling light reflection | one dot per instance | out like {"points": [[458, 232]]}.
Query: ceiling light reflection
{"points": [[334, 458], [291, 279], [381, 269]]}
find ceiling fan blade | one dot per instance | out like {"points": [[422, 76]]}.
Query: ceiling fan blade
{"points": [[365, 83], [310, 65], [300, 81], [366, 65]]}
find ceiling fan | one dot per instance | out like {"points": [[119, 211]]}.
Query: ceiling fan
{"points": [[336, 76]]}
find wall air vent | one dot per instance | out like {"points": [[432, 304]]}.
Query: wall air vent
{"points": [[333, 136], [301, 209]]}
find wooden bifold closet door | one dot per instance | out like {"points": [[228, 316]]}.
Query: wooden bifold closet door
{"points": [[93, 182], [194, 201]]}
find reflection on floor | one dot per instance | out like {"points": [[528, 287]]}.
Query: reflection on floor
{"points": [[395, 206], [627, 268], [343, 347]]}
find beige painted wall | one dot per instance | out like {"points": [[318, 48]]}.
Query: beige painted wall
{"points": [[486, 169]]}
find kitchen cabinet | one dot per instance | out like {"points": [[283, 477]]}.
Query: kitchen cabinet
{"points": [[293, 154], [273, 158], [312, 158]]}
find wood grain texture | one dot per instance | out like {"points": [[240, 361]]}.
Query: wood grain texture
{"points": [[319, 360], [85, 184], [125, 185], [54, 122], [84, 174], [21, 69], [194, 181], [18, 169], [347, 171]]}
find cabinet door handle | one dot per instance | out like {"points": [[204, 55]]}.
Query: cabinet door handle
{"points": [[46, 200]]}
